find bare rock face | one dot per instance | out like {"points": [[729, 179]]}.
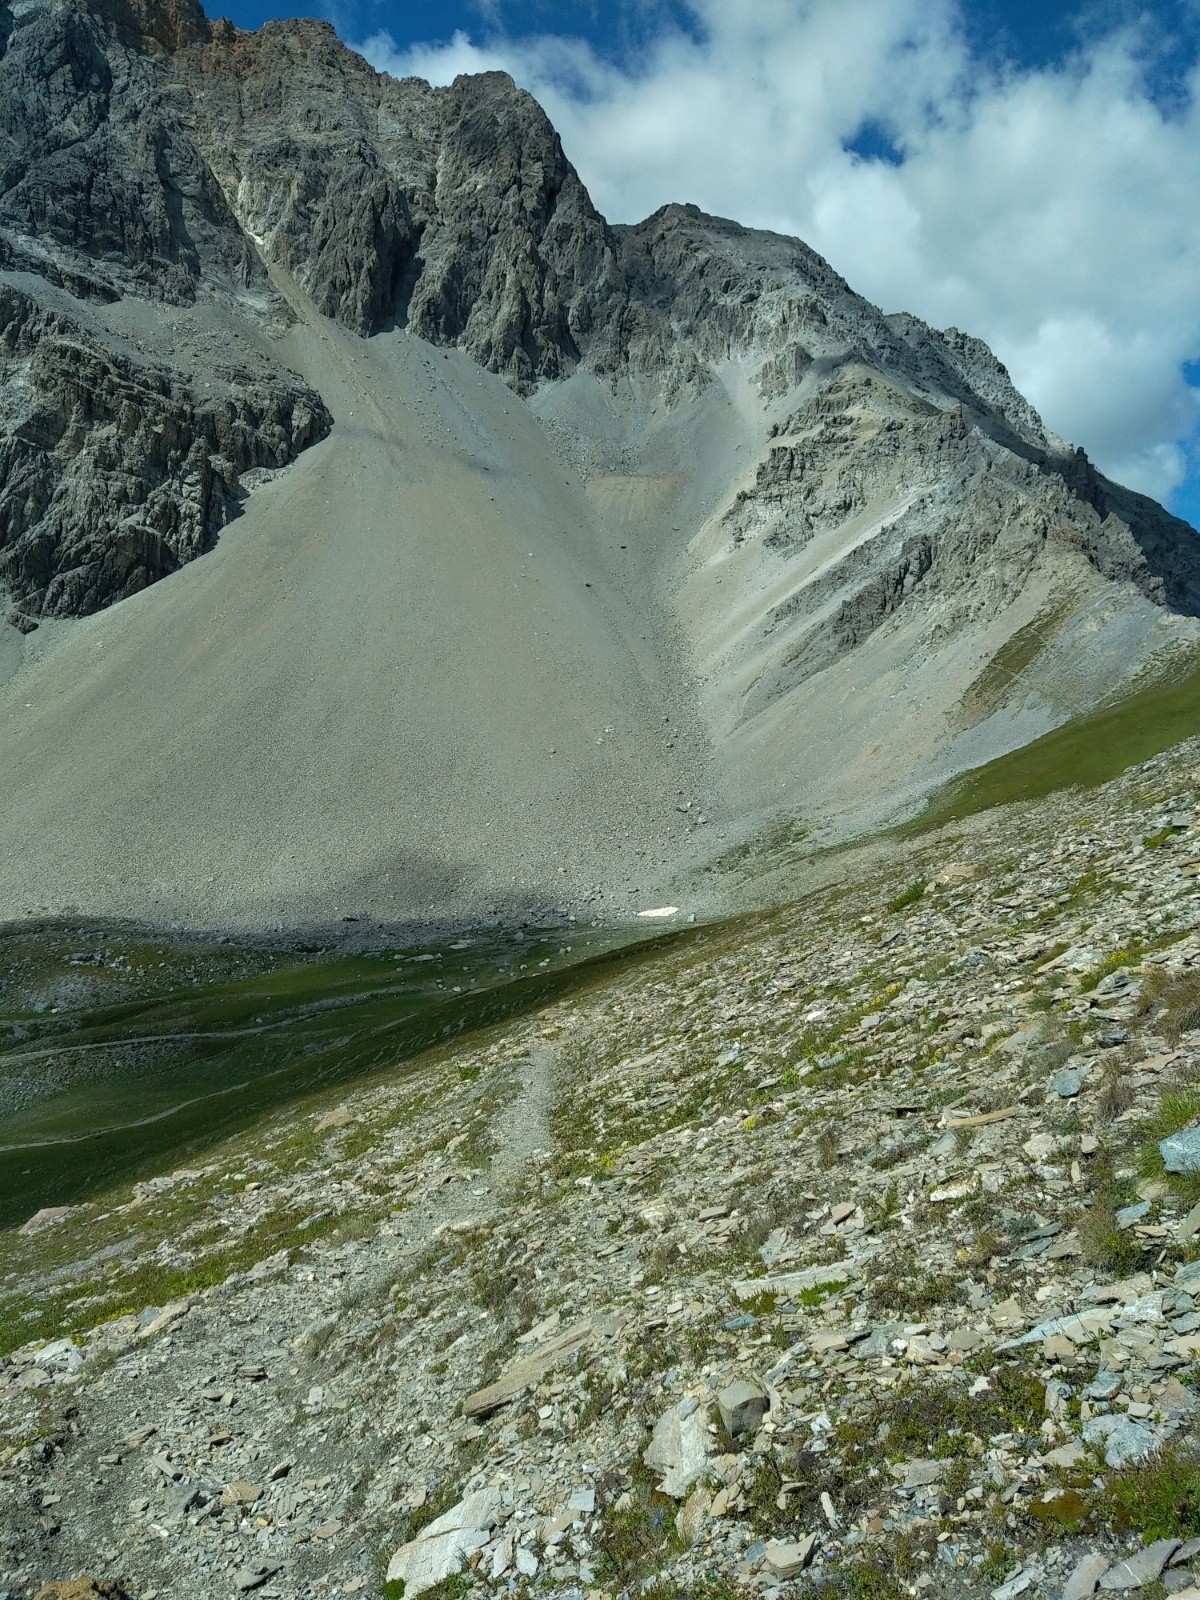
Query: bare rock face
{"points": [[921, 505], [104, 191], [113, 472], [453, 212], [903, 472], [116, 473]]}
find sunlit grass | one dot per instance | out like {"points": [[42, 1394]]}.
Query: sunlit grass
{"points": [[1084, 752]]}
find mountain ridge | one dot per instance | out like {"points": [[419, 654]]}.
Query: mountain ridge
{"points": [[786, 532]]}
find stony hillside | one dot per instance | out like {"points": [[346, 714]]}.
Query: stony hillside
{"points": [[850, 1247], [117, 470]]}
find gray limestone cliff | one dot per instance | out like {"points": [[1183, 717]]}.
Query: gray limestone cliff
{"points": [[116, 471]]}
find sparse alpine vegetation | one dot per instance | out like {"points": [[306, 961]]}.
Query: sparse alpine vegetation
{"points": [[478, 559], [833, 1245]]}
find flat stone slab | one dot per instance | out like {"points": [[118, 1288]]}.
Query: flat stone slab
{"points": [[443, 1548], [1018, 1584], [836, 1339], [1079, 1327], [1181, 1151], [920, 1474], [1081, 1585], [423, 1563], [786, 1557], [1123, 1439], [533, 1367], [786, 1285], [1141, 1568], [983, 1118], [679, 1448]]}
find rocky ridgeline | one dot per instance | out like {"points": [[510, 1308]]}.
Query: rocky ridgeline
{"points": [[853, 1246], [150, 156], [860, 450]]}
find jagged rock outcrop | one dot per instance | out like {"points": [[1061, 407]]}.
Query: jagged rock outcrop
{"points": [[908, 449], [116, 472], [916, 502], [451, 211], [116, 468]]}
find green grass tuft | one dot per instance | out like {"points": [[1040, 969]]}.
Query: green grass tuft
{"points": [[638, 1539], [909, 896], [1084, 752], [1155, 841], [1158, 1498]]}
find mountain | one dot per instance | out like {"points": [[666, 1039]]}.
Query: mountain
{"points": [[474, 554]]}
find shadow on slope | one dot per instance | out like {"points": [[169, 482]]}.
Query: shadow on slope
{"points": [[126, 1090]]}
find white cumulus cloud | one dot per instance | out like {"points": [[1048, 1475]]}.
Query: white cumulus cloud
{"points": [[1053, 212]]}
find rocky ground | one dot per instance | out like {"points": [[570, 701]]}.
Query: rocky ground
{"points": [[837, 1247]]}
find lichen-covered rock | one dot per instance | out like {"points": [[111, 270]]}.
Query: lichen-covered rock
{"points": [[679, 1447], [1181, 1151]]}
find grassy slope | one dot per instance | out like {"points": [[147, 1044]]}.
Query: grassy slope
{"points": [[1086, 751]]}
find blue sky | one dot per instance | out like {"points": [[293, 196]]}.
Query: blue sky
{"points": [[1026, 33], [1029, 172]]}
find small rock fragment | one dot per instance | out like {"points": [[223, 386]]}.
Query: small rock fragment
{"points": [[240, 1494], [1067, 1083], [1017, 1584], [786, 1557], [253, 1575], [1081, 1585], [743, 1405], [692, 1515]]}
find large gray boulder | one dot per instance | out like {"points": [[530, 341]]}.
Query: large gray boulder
{"points": [[441, 1549]]}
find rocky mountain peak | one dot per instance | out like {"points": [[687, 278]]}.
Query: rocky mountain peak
{"points": [[215, 244], [454, 559]]}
